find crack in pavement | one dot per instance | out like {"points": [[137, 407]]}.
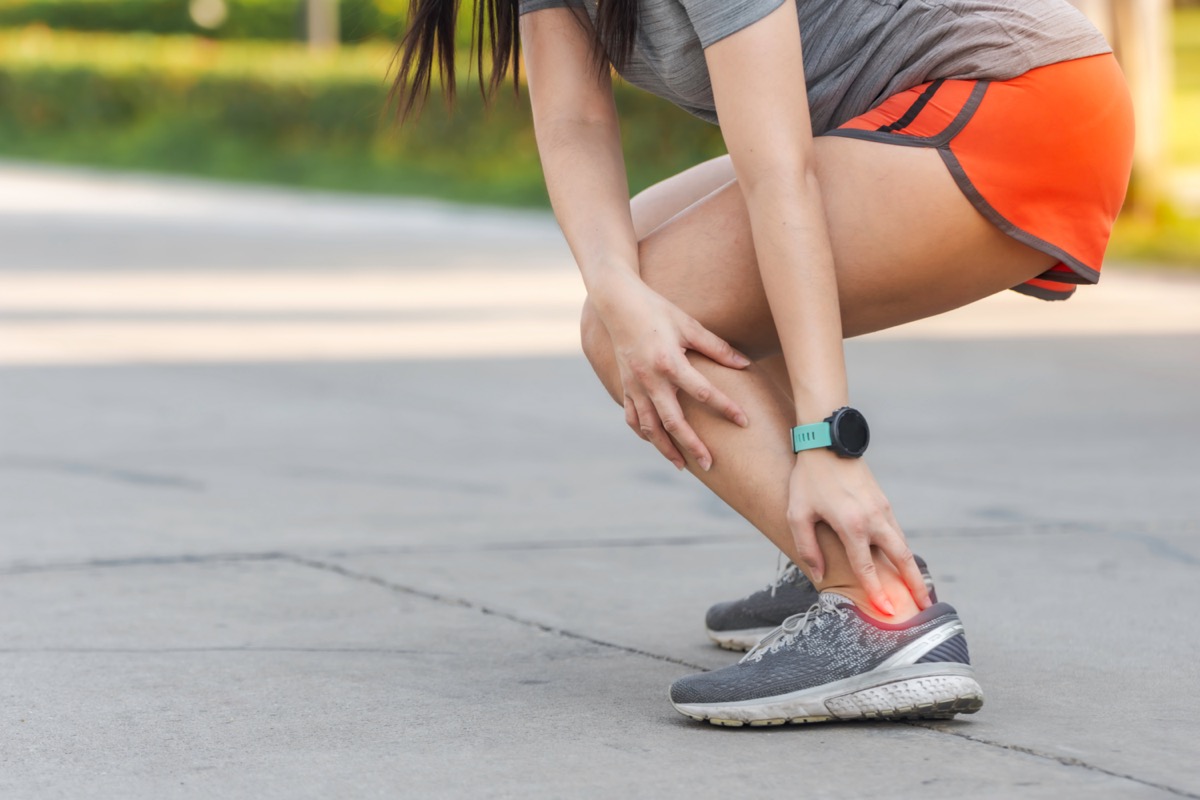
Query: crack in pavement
{"points": [[137, 561], [1141, 532], [215, 649], [1066, 761], [469, 604], [1118, 527], [101, 471], [463, 602], [20, 568], [534, 545], [1160, 548]]}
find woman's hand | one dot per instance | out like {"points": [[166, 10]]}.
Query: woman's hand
{"points": [[651, 337], [842, 493]]}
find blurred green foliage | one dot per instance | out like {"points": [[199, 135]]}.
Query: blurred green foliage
{"points": [[1185, 123], [273, 111], [244, 19], [1169, 239], [267, 111], [1169, 236]]}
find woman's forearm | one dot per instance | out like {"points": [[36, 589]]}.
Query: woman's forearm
{"points": [[585, 178], [767, 128], [795, 259], [578, 138], [579, 142]]}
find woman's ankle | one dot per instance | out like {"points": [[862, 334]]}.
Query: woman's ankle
{"points": [[903, 604]]}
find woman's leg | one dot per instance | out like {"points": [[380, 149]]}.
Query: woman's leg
{"points": [[657, 204], [906, 244]]}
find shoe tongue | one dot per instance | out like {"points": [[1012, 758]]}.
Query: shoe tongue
{"points": [[834, 599]]}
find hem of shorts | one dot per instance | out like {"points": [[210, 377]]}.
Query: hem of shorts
{"points": [[1023, 236], [941, 143], [1042, 293]]}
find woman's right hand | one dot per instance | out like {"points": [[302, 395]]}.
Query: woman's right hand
{"points": [[651, 337]]}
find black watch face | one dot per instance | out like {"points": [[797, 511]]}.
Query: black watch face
{"points": [[850, 430]]}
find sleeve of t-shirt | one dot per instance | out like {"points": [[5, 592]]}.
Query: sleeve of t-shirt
{"points": [[525, 6], [716, 19]]}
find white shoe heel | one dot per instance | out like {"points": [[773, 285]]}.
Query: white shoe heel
{"points": [[930, 697]]}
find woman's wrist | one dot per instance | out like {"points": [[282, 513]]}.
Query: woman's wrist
{"points": [[818, 407], [820, 387], [613, 289]]}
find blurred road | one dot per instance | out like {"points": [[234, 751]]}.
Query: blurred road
{"points": [[307, 495]]}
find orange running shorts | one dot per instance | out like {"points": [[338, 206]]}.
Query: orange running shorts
{"points": [[1044, 156]]}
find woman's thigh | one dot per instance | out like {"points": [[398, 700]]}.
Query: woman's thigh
{"points": [[656, 204], [906, 243]]}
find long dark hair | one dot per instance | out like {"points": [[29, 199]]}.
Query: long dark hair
{"points": [[428, 46]]}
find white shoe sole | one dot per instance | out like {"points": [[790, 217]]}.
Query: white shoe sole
{"points": [[738, 640], [917, 691]]}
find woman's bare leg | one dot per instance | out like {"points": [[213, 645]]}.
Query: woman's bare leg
{"points": [[906, 245], [657, 204]]}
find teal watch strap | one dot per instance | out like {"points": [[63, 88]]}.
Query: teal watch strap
{"points": [[810, 437]]}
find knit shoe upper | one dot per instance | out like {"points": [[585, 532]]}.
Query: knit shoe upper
{"points": [[833, 661], [738, 624]]}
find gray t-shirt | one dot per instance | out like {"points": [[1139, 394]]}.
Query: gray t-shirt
{"points": [[857, 53]]}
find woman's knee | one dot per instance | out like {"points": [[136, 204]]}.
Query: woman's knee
{"points": [[597, 347]]}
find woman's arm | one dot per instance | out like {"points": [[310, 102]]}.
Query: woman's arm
{"points": [[758, 84], [578, 137], [575, 122]]}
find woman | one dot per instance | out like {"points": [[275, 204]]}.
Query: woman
{"points": [[888, 160]]}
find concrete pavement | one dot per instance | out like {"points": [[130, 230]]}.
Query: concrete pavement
{"points": [[308, 495]]}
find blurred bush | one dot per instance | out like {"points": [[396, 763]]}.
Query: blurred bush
{"points": [[242, 19], [273, 20], [276, 112], [1185, 133]]}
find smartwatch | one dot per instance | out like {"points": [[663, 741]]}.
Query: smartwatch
{"points": [[845, 432]]}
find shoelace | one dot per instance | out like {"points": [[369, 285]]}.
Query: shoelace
{"points": [[793, 626], [783, 574]]}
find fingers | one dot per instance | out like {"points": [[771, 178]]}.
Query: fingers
{"points": [[896, 549], [651, 429], [902, 558], [674, 423], [808, 551], [631, 417], [858, 551], [700, 388], [705, 341], [660, 419], [842, 494]]}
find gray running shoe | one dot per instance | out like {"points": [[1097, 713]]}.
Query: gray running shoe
{"points": [[835, 663], [739, 624]]}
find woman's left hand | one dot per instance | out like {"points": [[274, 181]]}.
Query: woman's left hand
{"points": [[842, 493]]}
